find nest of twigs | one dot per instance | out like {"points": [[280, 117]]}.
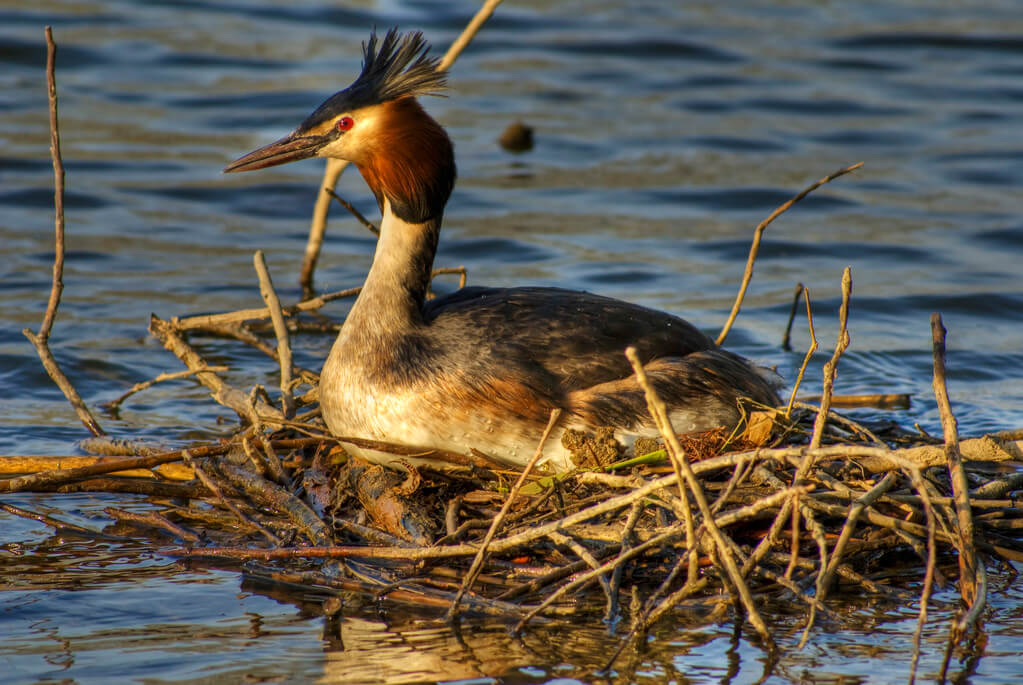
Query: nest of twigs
{"points": [[798, 504]]}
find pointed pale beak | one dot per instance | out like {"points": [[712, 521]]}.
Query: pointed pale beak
{"points": [[290, 148]]}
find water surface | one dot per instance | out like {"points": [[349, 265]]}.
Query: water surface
{"points": [[664, 133]]}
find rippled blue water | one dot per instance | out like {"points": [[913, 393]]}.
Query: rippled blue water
{"points": [[664, 133]]}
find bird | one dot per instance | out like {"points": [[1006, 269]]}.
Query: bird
{"points": [[482, 370]]}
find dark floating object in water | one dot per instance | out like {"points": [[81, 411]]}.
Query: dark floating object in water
{"points": [[517, 138]]}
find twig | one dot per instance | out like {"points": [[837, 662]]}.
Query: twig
{"points": [[477, 562], [42, 340], [969, 568], [925, 593], [831, 367], [824, 577], [56, 524], [266, 289], [354, 212], [277, 498], [809, 353], [139, 387], [335, 167], [660, 413], [152, 518], [214, 320], [755, 247], [675, 453], [786, 341]]}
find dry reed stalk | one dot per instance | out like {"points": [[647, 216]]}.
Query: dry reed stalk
{"points": [[755, 247], [335, 167], [41, 341]]}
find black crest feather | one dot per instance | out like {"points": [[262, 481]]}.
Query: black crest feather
{"points": [[396, 67]]}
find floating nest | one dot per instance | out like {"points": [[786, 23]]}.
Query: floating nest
{"points": [[799, 503]]}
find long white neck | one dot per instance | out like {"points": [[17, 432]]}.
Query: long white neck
{"points": [[391, 301]]}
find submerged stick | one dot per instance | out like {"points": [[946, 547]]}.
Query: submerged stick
{"points": [[42, 341], [335, 167], [755, 247]]}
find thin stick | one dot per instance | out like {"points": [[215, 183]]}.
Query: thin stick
{"points": [[56, 524], [42, 340], [144, 385], [660, 413], [477, 562], [335, 167], [786, 341], [968, 566], [755, 247], [809, 353], [925, 593], [152, 518], [960, 486], [353, 211], [242, 315], [266, 289], [831, 367], [58, 188]]}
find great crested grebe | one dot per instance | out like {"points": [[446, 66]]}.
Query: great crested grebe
{"points": [[482, 368]]}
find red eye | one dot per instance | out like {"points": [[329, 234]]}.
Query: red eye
{"points": [[345, 123]]}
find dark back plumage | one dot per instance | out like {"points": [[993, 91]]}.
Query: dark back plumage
{"points": [[400, 67]]}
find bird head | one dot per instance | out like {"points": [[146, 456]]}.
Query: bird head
{"points": [[377, 124]]}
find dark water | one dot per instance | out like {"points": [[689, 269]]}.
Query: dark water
{"points": [[664, 133]]}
